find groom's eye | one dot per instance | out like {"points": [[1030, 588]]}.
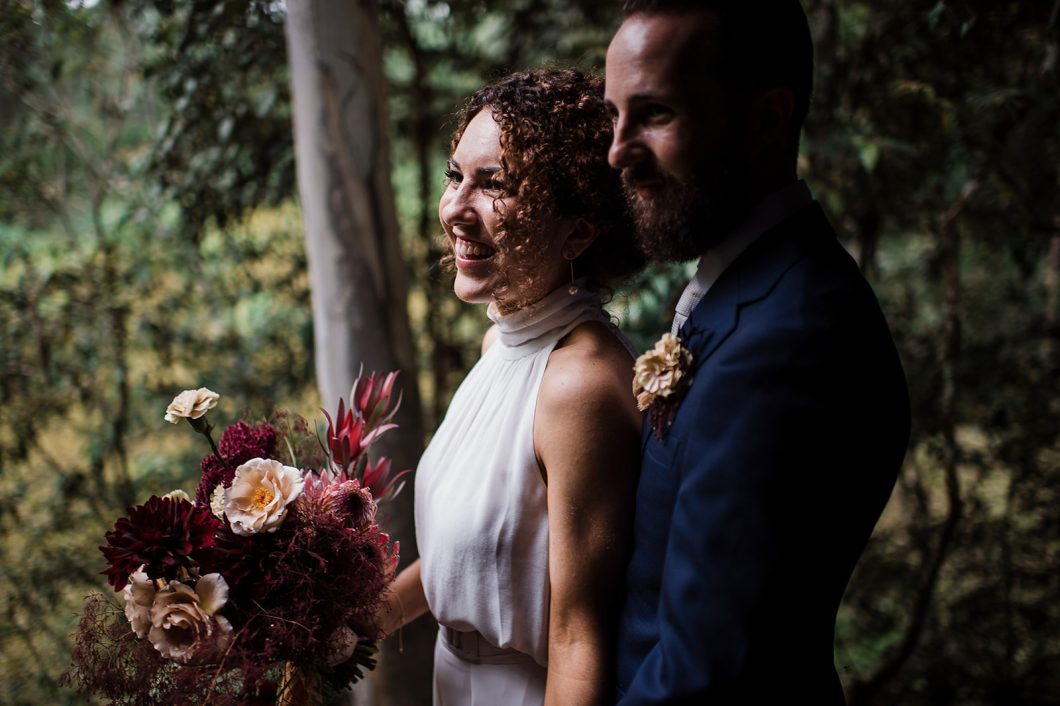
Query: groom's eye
{"points": [[656, 112]]}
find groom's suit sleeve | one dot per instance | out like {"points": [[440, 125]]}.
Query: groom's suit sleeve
{"points": [[770, 506]]}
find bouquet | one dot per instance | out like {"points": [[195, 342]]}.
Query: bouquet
{"points": [[264, 586]]}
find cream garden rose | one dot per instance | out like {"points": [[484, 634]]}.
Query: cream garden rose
{"points": [[659, 372], [185, 624], [259, 495], [191, 404]]}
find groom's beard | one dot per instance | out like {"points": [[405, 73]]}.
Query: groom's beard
{"points": [[685, 217]]}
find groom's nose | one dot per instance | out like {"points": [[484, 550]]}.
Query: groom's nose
{"points": [[626, 149]]}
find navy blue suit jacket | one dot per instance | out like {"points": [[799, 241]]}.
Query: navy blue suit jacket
{"points": [[754, 508]]}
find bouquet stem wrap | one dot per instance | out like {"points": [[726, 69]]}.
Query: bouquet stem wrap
{"points": [[296, 689]]}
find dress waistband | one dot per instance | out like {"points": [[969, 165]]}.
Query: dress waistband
{"points": [[473, 647]]}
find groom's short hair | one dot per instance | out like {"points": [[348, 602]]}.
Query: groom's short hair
{"points": [[763, 43]]}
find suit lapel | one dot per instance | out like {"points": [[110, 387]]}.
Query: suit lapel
{"points": [[751, 277]]}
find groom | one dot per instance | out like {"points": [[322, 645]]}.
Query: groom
{"points": [[763, 476]]}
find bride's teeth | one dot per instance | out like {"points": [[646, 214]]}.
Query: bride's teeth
{"points": [[467, 249]]}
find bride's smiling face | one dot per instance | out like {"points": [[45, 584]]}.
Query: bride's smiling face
{"points": [[473, 209]]}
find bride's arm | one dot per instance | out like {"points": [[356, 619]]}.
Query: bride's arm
{"points": [[404, 601], [587, 433]]}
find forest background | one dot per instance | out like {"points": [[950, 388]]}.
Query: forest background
{"points": [[151, 240]]}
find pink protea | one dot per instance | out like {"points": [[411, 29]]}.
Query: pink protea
{"points": [[335, 495], [351, 504], [315, 501]]}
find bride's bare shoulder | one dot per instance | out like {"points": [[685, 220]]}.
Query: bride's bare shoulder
{"points": [[589, 371]]}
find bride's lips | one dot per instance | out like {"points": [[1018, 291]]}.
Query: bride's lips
{"points": [[470, 254]]}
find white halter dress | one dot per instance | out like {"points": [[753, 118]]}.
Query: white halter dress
{"points": [[481, 515]]}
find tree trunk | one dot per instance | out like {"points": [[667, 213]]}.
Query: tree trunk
{"points": [[357, 275]]}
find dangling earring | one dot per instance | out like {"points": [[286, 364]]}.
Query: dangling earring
{"points": [[569, 256]]}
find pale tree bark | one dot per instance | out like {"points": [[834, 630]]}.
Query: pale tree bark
{"points": [[357, 275]]}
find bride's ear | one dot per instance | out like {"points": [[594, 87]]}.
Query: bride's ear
{"points": [[580, 235]]}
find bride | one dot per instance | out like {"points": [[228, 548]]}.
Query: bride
{"points": [[524, 496]]}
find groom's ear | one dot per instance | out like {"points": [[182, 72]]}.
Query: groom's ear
{"points": [[581, 235], [771, 112]]}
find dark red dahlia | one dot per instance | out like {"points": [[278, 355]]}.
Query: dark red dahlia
{"points": [[162, 534], [239, 443]]}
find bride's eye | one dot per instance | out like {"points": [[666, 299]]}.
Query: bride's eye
{"points": [[452, 176]]}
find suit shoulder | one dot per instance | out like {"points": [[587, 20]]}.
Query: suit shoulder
{"points": [[823, 292]]}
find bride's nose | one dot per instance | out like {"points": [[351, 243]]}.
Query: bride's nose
{"points": [[455, 208]]}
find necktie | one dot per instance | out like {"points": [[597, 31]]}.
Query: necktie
{"points": [[689, 298]]}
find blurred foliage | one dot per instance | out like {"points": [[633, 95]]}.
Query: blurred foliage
{"points": [[934, 143], [149, 242], [225, 144], [107, 309]]}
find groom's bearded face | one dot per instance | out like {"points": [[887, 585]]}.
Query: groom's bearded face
{"points": [[681, 134], [683, 216]]}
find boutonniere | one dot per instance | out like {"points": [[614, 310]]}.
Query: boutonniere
{"points": [[661, 377]]}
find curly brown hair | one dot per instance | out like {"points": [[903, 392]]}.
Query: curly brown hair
{"points": [[555, 133]]}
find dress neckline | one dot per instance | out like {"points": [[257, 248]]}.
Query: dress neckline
{"points": [[544, 322]]}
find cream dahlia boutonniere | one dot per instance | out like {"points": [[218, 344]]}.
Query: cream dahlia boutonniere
{"points": [[660, 378]]}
